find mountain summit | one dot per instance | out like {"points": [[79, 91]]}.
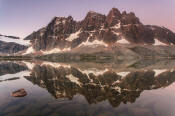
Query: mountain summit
{"points": [[64, 34], [115, 28]]}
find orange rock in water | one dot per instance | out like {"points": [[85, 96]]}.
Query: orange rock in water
{"points": [[19, 93]]}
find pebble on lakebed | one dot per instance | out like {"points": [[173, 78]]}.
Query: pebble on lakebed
{"points": [[19, 93]]}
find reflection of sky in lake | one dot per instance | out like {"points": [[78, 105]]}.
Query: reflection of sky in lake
{"points": [[156, 102]]}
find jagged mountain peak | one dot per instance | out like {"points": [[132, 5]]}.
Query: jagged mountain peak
{"points": [[130, 18], [113, 17], [114, 12], [93, 14], [124, 13], [64, 33], [58, 20], [92, 21], [61, 25]]}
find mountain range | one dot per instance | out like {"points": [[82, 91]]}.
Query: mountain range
{"points": [[95, 33]]}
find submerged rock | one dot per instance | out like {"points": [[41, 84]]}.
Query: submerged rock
{"points": [[19, 93]]}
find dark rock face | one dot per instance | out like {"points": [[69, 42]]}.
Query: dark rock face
{"points": [[138, 33], [129, 18], [113, 17], [9, 48], [37, 39], [108, 29], [57, 31], [93, 21], [163, 34], [54, 34]]}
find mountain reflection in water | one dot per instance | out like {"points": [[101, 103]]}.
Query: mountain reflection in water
{"points": [[88, 89]]}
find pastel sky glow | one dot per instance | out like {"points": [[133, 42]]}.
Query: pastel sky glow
{"points": [[22, 17]]}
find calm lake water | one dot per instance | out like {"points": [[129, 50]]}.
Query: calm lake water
{"points": [[88, 89]]}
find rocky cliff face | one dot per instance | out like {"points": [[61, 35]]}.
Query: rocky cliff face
{"points": [[115, 28]]}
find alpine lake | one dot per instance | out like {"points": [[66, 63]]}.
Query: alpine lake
{"points": [[45, 88]]}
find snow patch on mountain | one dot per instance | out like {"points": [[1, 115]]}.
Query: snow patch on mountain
{"points": [[93, 43], [123, 41], [18, 41], [55, 50], [157, 42], [29, 51], [158, 72], [73, 36], [117, 26], [116, 33]]}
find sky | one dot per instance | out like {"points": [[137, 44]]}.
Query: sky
{"points": [[22, 17]]}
